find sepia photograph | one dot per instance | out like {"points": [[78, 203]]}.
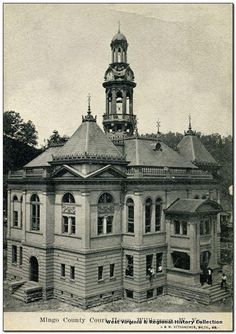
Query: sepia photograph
{"points": [[117, 166]]}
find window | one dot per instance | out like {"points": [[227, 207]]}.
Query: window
{"points": [[149, 259], [148, 215], [63, 270], [35, 213], [14, 254], [181, 260], [15, 211], [159, 290], [207, 227], [65, 228], [21, 256], [159, 262], [130, 215], [129, 294], [105, 214], [129, 271], [100, 273], [158, 210], [72, 272], [68, 198], [184, 228], [112, 269], [150, 294], [181, 228], [177, 227], [201, 227], [68, 214]]}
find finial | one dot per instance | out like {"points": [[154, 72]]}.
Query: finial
{"points": [[189, 122], [118, 26], [89, 100], [158, 126]]}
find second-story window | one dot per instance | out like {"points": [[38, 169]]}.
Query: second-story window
{"points": [[35, 213], [180, 227], [148, 215], [158, 210], [130, 215], [105, 214], [15, 211], [68, 214]]}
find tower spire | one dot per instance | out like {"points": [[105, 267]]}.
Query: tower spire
{"points": [[118, 26], [89, 101], [189, 122], [158, 126], [89, 117]]}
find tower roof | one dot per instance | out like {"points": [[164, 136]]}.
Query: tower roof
{"points": [[119, 37], [143, 152], [88, 142], [192, 149]]}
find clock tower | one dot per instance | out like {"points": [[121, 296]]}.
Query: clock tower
{"points": [[119, 84]]}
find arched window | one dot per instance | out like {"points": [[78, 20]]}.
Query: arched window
{"points": [[68, 198], [158, 210], [15, 211], [119, 55], [35, 213], [68, 214], [105, 214], [119, 98], [148, 215], [130, 215]]}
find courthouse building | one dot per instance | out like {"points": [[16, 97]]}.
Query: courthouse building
{"points": [[114, 214]]}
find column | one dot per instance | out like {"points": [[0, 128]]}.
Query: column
{"points": [[9, 218], [85, 212], [107, 104], [138, 218], [193, 227], [131, 104], [153, 220], [124, 102], [113, 102]]}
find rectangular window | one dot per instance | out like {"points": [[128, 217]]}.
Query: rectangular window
{"points": [[72, 272], [158, 218], [177, 227], [72, 225], [149, 259], [149, 293], [65, 226], [184, 228], [129, 294], [207, 226], [129, 271], [14, 254], [201, 227], [63, 270], [100, 273], [112, 269], [109, 224], [100, 225], [159, 262], [21, 256], [160, 291], [35, 217], [130, 219], [181, 260], [15, 218], [148, 216]]}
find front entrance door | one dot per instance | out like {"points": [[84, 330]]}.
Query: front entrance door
{"points": [[34, 269], [204, 264]]}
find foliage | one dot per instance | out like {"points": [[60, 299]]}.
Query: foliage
{"points": [[14, 127], [56, 138]]}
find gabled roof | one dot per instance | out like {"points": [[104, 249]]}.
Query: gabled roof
{"points": [[43, 159], [192, 206], [192, 149], [141, 152], [88, 140]]}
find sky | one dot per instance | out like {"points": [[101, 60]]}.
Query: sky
{"points": [[181, 55]]}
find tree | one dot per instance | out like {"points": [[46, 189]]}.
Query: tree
{"points": [[15, 128], [56, 138]]}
